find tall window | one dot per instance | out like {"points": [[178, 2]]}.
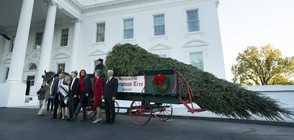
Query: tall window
{"points": [[193, 21], [64, 37], [100, 37], [159, 25], [60, 67], [39, 37], [31, 80], [196, 60], [128, 28], [12, 44]]}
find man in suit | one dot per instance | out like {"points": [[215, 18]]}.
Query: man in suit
{"points": [[54, 92], [73, 94], [110, 92]]}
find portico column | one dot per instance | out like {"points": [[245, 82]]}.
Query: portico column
{"points": [[45, 59], [75, 46], [21, 41]]}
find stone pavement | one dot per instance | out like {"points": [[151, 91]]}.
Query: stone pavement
{"points": [[23, 124]]}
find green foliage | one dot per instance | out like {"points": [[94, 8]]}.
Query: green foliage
{"points": [[161, 88], [264, 66], [211, 93]]}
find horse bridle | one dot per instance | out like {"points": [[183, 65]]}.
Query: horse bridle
{"points": [[51, 77]]}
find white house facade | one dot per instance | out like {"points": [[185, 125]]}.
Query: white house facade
{"points": [[72, 34]]}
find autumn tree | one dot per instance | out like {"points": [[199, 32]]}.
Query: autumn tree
{"points": [[263, 66]]}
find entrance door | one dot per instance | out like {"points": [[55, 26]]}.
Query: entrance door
{"points": [[30, 82]]}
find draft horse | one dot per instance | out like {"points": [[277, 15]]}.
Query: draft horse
{"points": [[48, 79]]}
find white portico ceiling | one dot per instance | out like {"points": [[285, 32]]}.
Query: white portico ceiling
{"points": [[10, 12]]}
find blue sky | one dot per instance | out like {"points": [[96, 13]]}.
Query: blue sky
{"points": [[255, 23]]}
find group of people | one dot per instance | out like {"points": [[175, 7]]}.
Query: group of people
{"points": [[75, 92]]}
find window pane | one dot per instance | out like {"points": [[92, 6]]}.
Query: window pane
{"points": [[196, 60], [159, 25], [100, 37], [128, 34], [193, 21], [128, 28], [158, 20], [128, 24], [39, 37], [159, 30], [64, 37], [61, 67]]}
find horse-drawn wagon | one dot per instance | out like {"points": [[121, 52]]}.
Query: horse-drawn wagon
{"points": [[153, 93]]}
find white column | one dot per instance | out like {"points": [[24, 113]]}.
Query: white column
{"points": [[75, 46], [47, 42], [21, 41]]}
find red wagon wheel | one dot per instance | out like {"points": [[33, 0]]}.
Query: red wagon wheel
{"points": [[140, 111], [164, 111]]}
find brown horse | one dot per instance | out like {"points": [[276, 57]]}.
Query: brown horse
{"points": [[48, 79]]}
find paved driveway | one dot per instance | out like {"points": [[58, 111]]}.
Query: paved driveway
{"points": [[23, 124]]}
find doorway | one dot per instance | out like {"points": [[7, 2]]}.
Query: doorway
{"points": [[30, 82]]}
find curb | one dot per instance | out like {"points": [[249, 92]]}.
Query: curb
{"points": [[262, 122]]}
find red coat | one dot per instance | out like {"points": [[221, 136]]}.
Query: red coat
{"points": [[98, 92]]}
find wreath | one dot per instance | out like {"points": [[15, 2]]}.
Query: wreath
{"points": [[160, 83]]}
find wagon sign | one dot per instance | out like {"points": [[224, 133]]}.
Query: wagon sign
{"points": [[131, 84]]}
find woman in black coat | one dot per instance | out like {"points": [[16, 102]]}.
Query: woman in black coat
{"points": [[85, 90]]}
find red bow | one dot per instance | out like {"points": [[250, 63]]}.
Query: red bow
{"points": [[161, 79], [155, 79]]}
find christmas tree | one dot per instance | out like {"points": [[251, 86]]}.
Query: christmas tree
{"points": [[216, 95]]}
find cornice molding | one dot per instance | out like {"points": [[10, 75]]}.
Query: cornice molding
{"points": [[113, 4], [104, 5], [76, 5]]}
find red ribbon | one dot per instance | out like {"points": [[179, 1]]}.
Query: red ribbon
{"points": [[155, 79], [161, 79]]}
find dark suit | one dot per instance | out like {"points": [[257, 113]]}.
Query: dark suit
{"points": [[110, 91], [54, 91], [73, 102]]}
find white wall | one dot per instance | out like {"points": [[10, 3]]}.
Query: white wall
{"points": [[177, 43], [284, 94]]}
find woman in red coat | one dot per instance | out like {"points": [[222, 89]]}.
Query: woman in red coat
{"points": [[98, 95]]}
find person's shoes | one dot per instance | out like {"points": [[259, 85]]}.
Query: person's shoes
{"points": [[107, 122], [53, 118], [96, 121], [111, 122]]}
